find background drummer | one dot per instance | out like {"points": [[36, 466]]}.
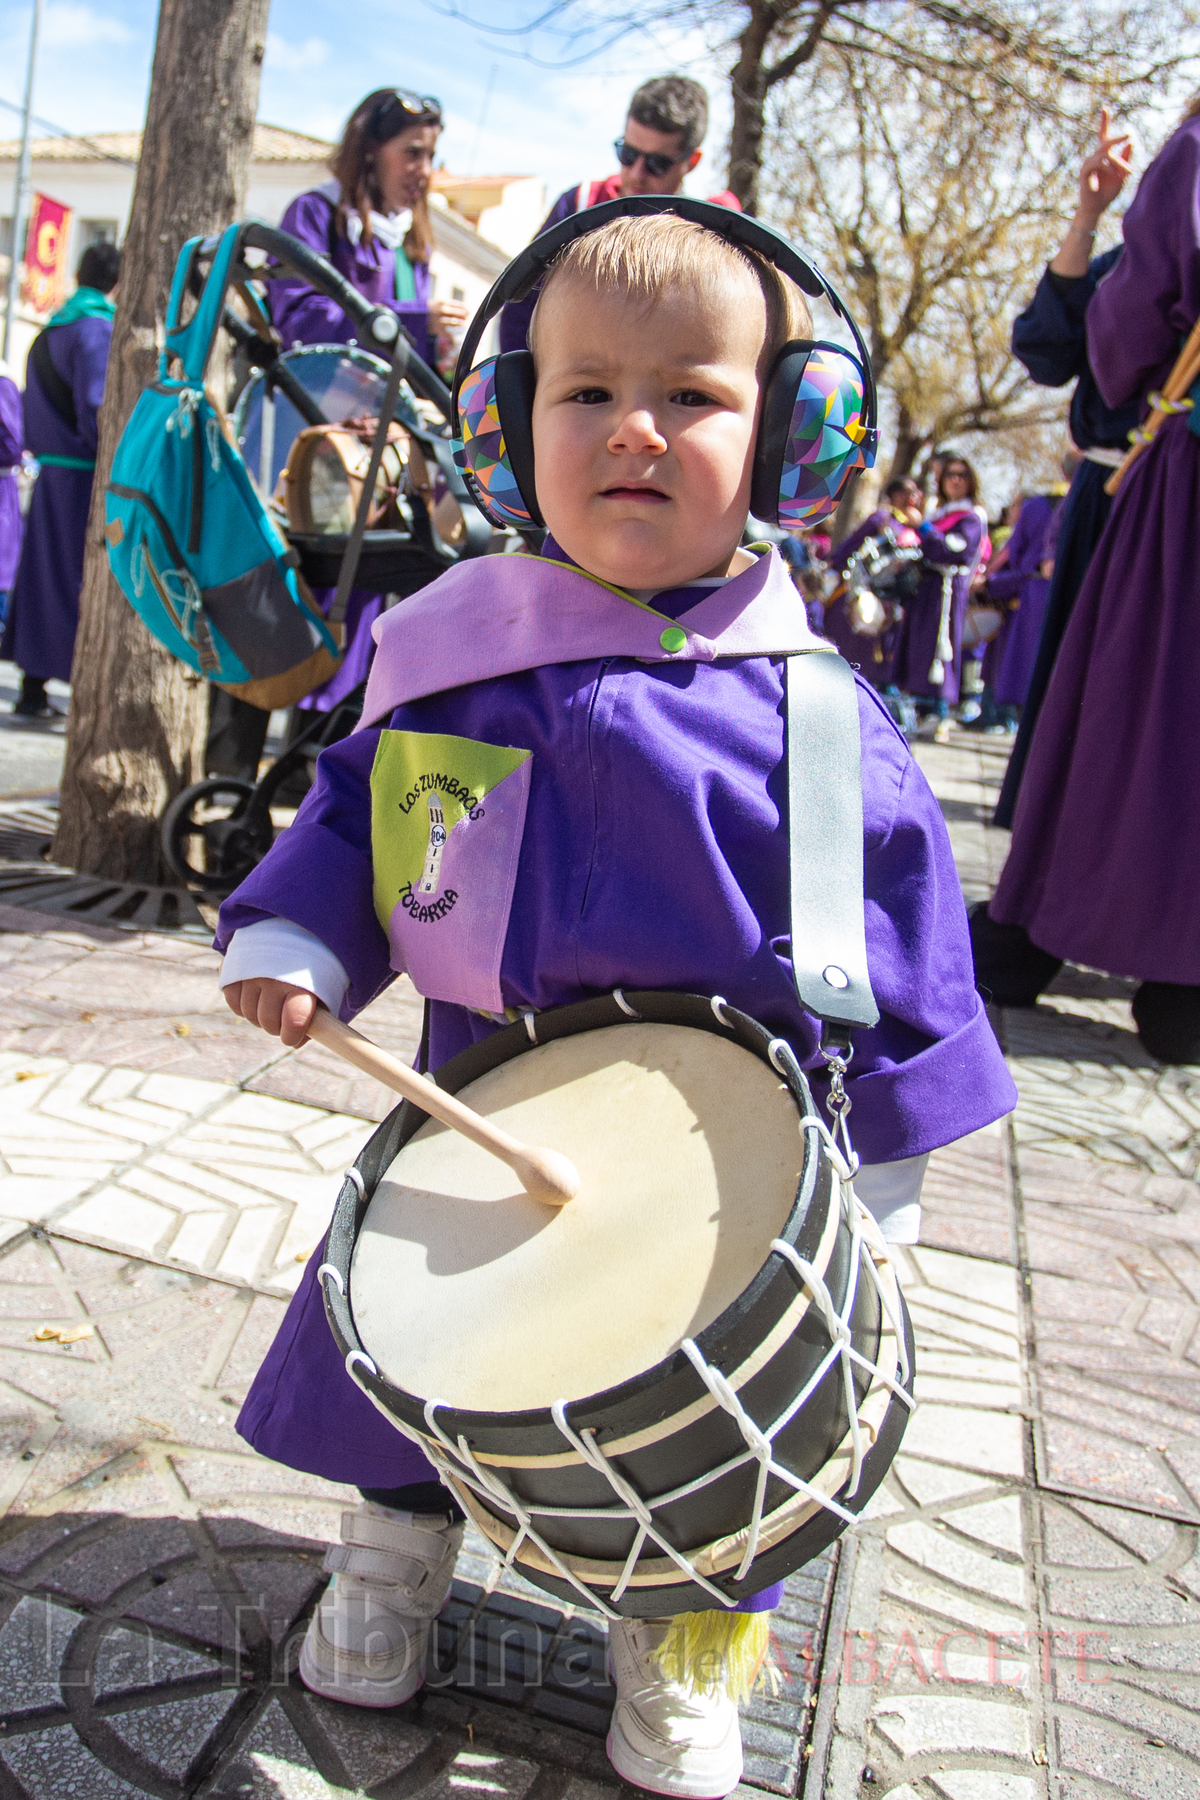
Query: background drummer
{"points": [[652, 851]]}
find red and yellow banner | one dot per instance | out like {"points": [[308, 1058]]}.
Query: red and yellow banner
{"points": [[46, 254]]}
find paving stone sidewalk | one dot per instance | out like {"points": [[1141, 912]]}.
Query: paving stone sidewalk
{"points": [[1014, 1622]]}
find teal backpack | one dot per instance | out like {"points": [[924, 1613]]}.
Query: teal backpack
{"points": [[190, 543]]}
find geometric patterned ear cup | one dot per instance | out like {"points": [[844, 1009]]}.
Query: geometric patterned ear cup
{"points": [[482, 454], [815, 433]]}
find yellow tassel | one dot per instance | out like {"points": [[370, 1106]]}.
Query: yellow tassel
{"points": [[717, 1652]]}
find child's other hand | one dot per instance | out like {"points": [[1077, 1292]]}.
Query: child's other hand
{"points": [[279, 1007]]}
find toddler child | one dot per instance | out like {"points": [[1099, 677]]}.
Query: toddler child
{"points": [[620, 816]]}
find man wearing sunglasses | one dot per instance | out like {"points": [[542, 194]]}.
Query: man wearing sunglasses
{"points": [[661, 143]]}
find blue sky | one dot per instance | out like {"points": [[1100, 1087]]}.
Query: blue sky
{"points": [[94, 61]]}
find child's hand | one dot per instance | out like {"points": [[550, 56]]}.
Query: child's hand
{"points": [[279, 1007]]}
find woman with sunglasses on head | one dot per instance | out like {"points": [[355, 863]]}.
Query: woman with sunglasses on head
{"points": [[371, 220], [661, 143], [954, 540]]}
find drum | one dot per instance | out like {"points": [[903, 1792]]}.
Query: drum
{"points": [[981, 625], [327, 469], [677, 1388], [345, 382], [866, 614]]}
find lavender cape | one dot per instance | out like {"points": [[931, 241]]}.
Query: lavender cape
{"points": [[653, 852], [1105, 860], [302, 316], [11, 434], [917, 640], [44, 611], [1021, 581]]}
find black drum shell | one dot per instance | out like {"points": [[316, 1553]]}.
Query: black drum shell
{"points": [[657, 1395]]}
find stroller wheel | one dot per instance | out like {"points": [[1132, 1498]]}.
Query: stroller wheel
{"points": [[212, 837]]}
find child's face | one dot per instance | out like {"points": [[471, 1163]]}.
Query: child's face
{"points": [[644, 421]]}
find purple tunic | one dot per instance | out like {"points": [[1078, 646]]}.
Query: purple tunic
{"points": [[11, 434], [302, 316], [1019, 580], [1105, 861], [44, 612], [917, 640], [687, 889]]}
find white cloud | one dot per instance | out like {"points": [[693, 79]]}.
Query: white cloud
{"points": [[292, 58], [74, 27]]}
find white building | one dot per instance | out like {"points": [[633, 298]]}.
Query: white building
{"points": [[479, 222]]}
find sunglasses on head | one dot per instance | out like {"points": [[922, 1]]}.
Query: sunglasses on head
{"points": [[422, 107], [656, 163]]}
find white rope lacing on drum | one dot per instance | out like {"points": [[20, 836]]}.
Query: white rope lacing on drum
{"points": [[530, 1027], [335, 1274], [718, 1004], [624, 1005], [456, 1458], [485, 1482], [354, 1176], [589, 1449]]}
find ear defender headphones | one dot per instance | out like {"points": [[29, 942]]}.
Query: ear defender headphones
{"points": [[818, 425]]}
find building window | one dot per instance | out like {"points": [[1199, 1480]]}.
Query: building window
{"points": [[457, 294], [96, 231]]}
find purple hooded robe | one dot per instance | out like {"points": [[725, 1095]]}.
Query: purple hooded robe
{"points": [[623, 823], [11, 435], [917, 639], [43, 613], [1105, 861], [1020, 580]]}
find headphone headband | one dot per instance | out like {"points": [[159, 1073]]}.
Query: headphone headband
{"points": [[818, 420], [532, 263]]}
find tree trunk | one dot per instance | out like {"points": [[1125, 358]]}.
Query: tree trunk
{"points": [[748, 85], [138, 717], [910, 441]]}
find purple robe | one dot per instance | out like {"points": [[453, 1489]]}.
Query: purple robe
{"points": [[1105, 861], [302, 316], [579, 891], [1021, 581], [917, 639], [11, 436], [43, 615]]}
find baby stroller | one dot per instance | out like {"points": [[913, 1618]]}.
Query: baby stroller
{"points": [[214, 832]]}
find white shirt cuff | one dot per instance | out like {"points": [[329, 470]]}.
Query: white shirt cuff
{"points": [[276, 949], [891, 1193]]}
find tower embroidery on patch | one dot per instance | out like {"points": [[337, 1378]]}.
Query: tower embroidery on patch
{"points": [[431, 874]]}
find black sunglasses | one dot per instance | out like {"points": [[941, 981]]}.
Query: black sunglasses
{"points": [[656, 163], [422, 107]]}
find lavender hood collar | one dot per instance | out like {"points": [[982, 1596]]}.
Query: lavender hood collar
{"points": [[500, 615]]}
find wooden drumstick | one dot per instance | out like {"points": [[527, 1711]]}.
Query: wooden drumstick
{"points": [[544, 1174]]}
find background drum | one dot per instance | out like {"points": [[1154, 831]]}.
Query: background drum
{"points": [[345, 382], [683, 1384], [981, 625]]}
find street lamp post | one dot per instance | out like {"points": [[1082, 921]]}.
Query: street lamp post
{"points": [[22, 183]]}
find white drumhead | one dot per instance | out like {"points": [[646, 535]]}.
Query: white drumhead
{"points": [[689, 1152]]}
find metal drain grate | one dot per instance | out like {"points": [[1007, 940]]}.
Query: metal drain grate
{"points": [[27, 830]]}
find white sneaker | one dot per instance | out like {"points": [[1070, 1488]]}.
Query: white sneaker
{"points": [[663, 1736], [366, 1642]]}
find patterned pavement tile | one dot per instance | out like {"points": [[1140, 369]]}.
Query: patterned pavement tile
{"points": [[139, 1000], [1014, 1620]]}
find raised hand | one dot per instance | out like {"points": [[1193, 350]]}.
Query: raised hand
{"points": [[1106, 170]]}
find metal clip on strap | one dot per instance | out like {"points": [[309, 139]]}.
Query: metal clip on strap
{"points": [[825, 833]]}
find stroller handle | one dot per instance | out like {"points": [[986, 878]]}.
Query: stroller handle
{"points": [[376, 327]]}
